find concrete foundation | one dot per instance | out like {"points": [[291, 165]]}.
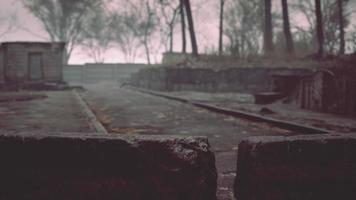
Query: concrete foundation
{"points": [[78, 167], [245, 80], [297, 167]]}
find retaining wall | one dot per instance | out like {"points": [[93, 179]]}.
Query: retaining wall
{"points": [[94, 73], [326, 91], [248, 80], [297, 167], [78, 167]]}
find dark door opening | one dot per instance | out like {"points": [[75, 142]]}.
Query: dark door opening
{"points": [[35, 66]]}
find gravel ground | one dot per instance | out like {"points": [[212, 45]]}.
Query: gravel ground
{"points": [[124, 111]]}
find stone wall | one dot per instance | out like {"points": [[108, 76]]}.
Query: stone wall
{"points": [[94, 73], [106, 167], [247, 80], [16, 55], [326, 91], [173, 58], [297, 167]]}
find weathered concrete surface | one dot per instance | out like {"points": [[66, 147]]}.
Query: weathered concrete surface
{"points": [[126, 111], [99, 128], [280, 110], [78, 167], [241, 114], [297, 167], [59, 112], [20, 96]]}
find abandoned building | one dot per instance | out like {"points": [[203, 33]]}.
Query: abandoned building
{"points": [[31, 62]]}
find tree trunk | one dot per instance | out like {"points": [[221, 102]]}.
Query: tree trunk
{"points": [[221, 27], [341, 27], [147, 53], [171, 35], [191, 28], [182, 15], [286, 28], [146, 33], [319, 27], [268, 29]]}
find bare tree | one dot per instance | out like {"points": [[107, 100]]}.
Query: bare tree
{"points": [[286, 28], [244, 27], [341, 26], [62, 19], [169, 11], [191, 28], [331, 25], [221, 26], [134, 25], [95, 37], [148, 27], [122, 36], [8, 24], [182, 18], [319, 27], [268, 28], [352, 39]]}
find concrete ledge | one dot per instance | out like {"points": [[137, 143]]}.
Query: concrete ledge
{"points": [[297, 167], [99, 127], [268, 97], [96, 166], [240, 114]]}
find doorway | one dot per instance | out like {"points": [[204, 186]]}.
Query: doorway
{"points": [[35, 66]]}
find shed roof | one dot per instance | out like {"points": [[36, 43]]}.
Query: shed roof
{"points": [[34, 43]]}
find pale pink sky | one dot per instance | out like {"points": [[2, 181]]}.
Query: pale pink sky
{"points": [[33, 31], [206, 19]]}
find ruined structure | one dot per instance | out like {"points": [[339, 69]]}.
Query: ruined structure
{"points": [[297, 167], [106, 167], [327, 91], [31, 62], [244, 80]]}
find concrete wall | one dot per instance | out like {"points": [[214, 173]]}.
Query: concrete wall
{"points": [[248, 80], [297, 167], [16, 68], [172, 58], [94, 73], [16, 61], [327, 92], [106, 167]]}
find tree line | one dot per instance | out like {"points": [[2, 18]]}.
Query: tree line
{"points": [[246, 27], [319, 31]]}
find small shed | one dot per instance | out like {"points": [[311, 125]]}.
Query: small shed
{"points": [[31, 62]]}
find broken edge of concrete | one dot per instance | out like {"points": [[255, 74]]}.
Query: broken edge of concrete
{"points": [[90, 115], [297, 167], [97, 166]]}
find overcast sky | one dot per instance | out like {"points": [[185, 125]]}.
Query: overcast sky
{"points": [[32, 31], [206, 27]]}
